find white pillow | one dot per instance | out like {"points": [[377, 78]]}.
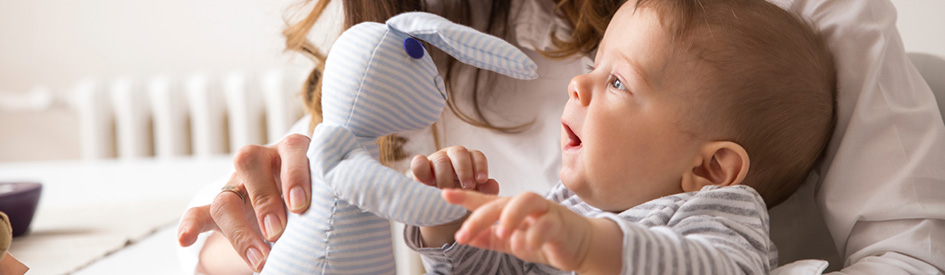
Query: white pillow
{"points": [[881, 187]]}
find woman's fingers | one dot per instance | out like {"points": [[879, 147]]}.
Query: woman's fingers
{"points": [[218, 257], [235, 223], [462, 162], [295, 174], [195, 221], [254, 167], [266, 173]]}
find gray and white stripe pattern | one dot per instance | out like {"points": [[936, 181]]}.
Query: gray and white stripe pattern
{"points": [[718, 230], [372, 88], [466, 45], [346, 230], [393, 93]]}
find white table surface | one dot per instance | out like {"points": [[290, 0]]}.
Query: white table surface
{"points": [[109, 217]]}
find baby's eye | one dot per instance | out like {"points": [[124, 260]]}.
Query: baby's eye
{"points": [[616, 84]]}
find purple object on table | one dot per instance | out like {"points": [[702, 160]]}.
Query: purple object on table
{"points": [[18, 200]]}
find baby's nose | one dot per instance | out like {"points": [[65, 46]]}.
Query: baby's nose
{"points": [[579, 89]]}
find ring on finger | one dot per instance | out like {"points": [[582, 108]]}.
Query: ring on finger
{"points": [[236, 189]]}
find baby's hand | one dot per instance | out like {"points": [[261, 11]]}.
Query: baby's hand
{"points": [[528, 226], [454, 167]]}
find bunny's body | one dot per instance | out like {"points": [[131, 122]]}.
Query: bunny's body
{"points": [[377, 82]]}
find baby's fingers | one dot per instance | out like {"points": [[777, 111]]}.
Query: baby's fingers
{"points": [[470, 200], [521, 206], [486, 210], [462, 161], [480, 166], [486, 239], [422, 170], [490, 187], [443, 173]]}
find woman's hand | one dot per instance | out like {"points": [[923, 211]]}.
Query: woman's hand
{"points": [[263, 175], [452, 167]]}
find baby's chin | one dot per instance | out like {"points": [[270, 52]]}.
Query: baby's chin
{"points": [[570, 178], [581, 189], [572, 169]]}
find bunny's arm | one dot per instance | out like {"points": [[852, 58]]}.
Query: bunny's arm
{"points": [[360, 180]]}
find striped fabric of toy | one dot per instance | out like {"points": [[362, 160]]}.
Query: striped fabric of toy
{"points": [[377, 82]]}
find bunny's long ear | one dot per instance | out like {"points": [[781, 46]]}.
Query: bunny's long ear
{"points": [[466, 44]]}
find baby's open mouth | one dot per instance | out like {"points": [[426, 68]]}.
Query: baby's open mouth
{"points": [[573, 139]]}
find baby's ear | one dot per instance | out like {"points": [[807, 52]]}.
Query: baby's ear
{"points": [[720, 163]]}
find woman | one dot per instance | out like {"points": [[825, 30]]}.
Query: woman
{"points": [[502, 115], [504, 118]]}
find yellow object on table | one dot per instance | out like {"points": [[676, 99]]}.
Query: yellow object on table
{"points": [[8, 264]]}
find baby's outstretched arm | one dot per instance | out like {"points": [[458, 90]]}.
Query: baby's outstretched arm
{"points": [[537, 230], [714, 231]]}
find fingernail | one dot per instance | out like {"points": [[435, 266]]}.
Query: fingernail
{"points": [[460, 236], [255, 257], [180, 238], [469, 184], [481, 177], [500, 232], [273, 226], [297, 198]]}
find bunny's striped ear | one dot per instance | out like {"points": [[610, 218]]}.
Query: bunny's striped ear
{"points": [[466, 44]]}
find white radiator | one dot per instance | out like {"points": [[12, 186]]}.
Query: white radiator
{"points": [[195, 115]]}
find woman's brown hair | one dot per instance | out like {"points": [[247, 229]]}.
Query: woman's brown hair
{"points": [[587, 18]]}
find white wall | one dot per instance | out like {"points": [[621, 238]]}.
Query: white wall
{"points": [[56, 43], [922, 25]]}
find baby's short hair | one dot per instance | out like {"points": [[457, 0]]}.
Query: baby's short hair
{"points": [[771, 89]]}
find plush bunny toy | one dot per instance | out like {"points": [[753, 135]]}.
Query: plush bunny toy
{"points": [[378, 80]]}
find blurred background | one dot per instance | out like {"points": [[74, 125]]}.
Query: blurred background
{"points": [[48, 49], [123, 110]]}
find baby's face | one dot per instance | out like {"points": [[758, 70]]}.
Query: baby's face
{"points": [[622, 141]]}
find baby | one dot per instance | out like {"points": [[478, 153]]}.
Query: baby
{"points": [[696, 117]]}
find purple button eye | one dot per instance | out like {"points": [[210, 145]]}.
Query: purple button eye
{"points": [[413, 47]]}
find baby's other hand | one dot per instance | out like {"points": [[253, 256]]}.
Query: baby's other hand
{"points": [[527, 226], [455, 167]]}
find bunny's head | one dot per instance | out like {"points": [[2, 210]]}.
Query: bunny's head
{"points": [[380, 80]]}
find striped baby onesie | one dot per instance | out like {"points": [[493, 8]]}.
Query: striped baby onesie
{"points": [[717, 230]]}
